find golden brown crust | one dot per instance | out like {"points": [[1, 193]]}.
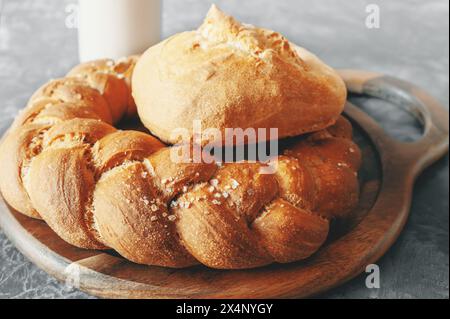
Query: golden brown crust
{"points": [[113, 80], [215, 235], [227, 75], [130, 218], [16, 151], [290, 233], [62, 199]]}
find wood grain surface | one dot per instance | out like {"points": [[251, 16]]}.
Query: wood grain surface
{"points": [[387, 177]]}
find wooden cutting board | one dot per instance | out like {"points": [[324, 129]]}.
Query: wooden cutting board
{"points": [[387, 177]]}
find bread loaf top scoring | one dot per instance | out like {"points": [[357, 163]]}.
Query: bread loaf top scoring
{"points": [[232, 75]]}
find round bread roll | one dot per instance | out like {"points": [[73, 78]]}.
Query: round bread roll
{"points": [[232, 75]]}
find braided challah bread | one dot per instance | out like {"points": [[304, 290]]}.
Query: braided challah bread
{"points": [[99, 187]]}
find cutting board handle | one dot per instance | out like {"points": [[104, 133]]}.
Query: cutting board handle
{"points": [[434, 117]]}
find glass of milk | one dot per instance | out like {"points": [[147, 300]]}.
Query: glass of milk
{"points": [[117, 28]]}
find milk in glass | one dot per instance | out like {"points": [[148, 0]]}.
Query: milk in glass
{"points": [[117, 28]]}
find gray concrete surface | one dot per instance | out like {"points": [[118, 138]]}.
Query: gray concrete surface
{"points": [[412, 44]]}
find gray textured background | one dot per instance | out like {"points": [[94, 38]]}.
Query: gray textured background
{"points": [[412, 44]]}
